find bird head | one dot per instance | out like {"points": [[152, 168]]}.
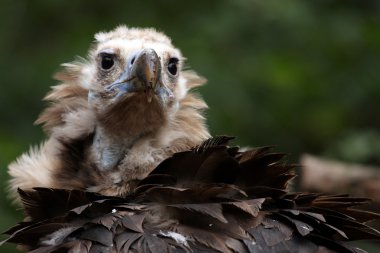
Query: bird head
{"points": [[116, 115], [134, 73]]}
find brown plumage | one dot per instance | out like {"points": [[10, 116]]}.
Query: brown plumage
{"points": [[212, 198], [115, 116], [127, 167]]}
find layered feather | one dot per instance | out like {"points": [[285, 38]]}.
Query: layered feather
{"points": [[213, 198]]}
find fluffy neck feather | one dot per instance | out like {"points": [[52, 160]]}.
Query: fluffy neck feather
{"points": [[120, 125], [135, 152]]}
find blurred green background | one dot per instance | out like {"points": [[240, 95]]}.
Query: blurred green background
{"points": [[302, 75]]}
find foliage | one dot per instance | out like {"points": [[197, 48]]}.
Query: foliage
{"points": [[303, 75]]}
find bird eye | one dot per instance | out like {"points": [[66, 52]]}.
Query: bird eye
{"points": [[172, 66], [107, 61]]}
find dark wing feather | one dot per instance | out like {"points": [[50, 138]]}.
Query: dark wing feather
{"points": [[212, 198]]}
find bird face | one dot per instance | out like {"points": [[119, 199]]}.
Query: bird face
{"points": [[135, 89], [135, 66]]}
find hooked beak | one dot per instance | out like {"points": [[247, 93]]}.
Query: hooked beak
{"points": [[147, 68], [144, 75]]}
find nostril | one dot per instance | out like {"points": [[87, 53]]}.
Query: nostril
{"points": [[133, 60]]}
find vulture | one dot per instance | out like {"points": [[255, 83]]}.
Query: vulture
{"points": [[129, 166]]}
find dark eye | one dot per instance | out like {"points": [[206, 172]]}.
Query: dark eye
{"points": [[107, 61], [172, 66]]}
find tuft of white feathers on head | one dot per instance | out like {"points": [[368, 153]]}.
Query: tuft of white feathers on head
{"points": [[123, 32]]}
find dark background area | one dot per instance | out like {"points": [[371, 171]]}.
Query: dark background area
{"points": [[302, 75]]}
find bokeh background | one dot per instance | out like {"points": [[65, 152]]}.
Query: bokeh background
{"points": [[302, 75]]}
